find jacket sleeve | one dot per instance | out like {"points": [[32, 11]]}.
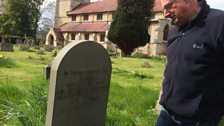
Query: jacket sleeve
{"points": [[220, 40]]}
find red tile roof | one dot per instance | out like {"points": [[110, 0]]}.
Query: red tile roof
{"points": [[58, 34], [157, 6], [104, 6], [85, 27], [94, 7]]}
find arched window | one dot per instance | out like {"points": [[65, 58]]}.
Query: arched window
{"points": [[51, 40], [165, 32]]}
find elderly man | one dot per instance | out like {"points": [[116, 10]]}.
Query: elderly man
{"points": [[193, 85]]}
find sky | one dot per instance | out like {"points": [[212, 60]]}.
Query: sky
{"points": [[219, 4]]}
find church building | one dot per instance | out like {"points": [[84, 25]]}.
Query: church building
{"points": [[85, 20]]}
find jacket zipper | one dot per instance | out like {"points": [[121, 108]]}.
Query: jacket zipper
{"points": [[170, 88]]}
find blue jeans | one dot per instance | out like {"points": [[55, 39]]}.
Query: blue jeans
{"points": [[166, 119]]}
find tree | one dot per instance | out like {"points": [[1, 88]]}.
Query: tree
{"points": [[129, 28], [20, 18]]}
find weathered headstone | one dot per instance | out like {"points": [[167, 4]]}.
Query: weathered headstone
{"points": [[48, 48], [40, 52], [24, 46], [47, 71], [79, 85], [146, 65], [7, 47]]}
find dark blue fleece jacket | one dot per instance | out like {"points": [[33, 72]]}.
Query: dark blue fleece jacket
{"points": [[193, 85]]}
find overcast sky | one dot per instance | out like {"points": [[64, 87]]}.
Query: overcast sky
{"points": [[216, 4]]}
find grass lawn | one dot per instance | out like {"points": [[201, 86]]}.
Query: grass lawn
{"points": [[23, 89]]}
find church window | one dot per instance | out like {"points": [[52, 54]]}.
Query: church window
{"points": [[102, 37], [86, 17], [73, 36], [153, 16], [74, 18], [113, 15], [99, 16], [86, 36], [165, 32]]}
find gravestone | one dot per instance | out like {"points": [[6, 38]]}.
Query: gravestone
{"points": [[7, 47], [24, 46], [47, 71], [40, 52], [48, 48], [79, 85]]}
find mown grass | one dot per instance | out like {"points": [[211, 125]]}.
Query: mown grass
{"points": [[134, 89]]}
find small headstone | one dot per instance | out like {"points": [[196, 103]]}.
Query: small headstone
{"points": [[29, 57], [7, 47], [36, 47], [55, 53], [24, 46], [146, 65], [48, 48], [40, 52], [19, 41], [47, 71], [79, 85]]}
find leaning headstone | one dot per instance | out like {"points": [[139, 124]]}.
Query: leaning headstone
{"points": [[79, 85], [7, 47]]}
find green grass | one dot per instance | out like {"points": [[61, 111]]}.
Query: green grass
{"points": [[23, 89], [134, 91]]}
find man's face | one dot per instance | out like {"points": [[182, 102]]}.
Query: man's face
{"points": [[177, 10]]}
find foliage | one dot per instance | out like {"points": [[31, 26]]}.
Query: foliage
{"points": [[129, 28], [20, 18]]}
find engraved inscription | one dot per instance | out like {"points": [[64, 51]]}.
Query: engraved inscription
{"points": [[84, 87]]}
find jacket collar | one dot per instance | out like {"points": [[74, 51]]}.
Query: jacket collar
{"points": [[202, 14]]}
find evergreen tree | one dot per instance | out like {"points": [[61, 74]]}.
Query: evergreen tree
{"points": [[129, 28], [20, 18]]}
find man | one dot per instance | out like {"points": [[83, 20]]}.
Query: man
{"points": [[193, 85]]}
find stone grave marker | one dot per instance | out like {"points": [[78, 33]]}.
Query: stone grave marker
{"points": [[47, 71], [48, 48], [79, 85], [7, 47], [24, 46]]}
